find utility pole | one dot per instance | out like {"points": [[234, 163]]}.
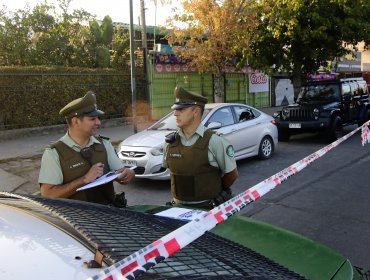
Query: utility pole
{"points": [[132, 55], [144, 46]]}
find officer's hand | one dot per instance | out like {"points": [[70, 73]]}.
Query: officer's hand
{"points": [[126, 176], [94, 172]]}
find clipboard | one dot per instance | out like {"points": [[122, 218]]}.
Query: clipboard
{"points": [[106, 178]]}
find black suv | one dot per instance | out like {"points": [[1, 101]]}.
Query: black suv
{"points": [[325, 106]]}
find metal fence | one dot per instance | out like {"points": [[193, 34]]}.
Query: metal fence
{"points": [[236, 89]]}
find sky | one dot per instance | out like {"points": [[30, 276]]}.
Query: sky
{"points": [[118, 10]]}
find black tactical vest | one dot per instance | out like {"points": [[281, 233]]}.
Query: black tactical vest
{"points": [[74, 166], [192, 177]]}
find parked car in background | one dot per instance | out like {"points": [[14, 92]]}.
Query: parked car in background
{"points": [[250, 131], [325, 106], [43, 238]]}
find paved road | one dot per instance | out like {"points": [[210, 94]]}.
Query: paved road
{"points": [[328, 201]]}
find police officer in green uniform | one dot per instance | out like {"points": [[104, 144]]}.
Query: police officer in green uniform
{"points": [[201, 163], [80, 157]]}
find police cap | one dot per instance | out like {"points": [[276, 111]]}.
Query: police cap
{"points": [[84, 106], [185, 98]]}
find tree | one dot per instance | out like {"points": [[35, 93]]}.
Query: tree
{"points": [[211, 34], [41, 21], [14, 37], [298, 36], [71, 34], [120, 48], [100, 41], [42, 37]]}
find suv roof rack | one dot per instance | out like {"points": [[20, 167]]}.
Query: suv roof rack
{"points": [[352, 79]]}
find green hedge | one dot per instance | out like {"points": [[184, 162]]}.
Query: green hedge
{"points": [[33, 96]]}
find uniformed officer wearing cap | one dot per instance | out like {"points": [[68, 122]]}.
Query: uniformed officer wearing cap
{"points": [[80, 157], [201, 163]]}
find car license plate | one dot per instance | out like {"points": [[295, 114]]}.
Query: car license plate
{"points": [[129, 162], [294, 125]]}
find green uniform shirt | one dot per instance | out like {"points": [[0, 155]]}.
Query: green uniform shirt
{"points": [[51, 172], [219, 150]]}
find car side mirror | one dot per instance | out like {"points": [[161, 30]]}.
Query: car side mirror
{"points": [[214, 125]]}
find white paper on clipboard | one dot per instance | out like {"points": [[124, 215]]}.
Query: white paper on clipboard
{"points": [[183, 214], [106, 178], [110, 176]]}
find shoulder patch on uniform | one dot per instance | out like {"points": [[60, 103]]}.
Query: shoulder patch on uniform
{"points": [[52, 145], [230, 151], [103, 137]]}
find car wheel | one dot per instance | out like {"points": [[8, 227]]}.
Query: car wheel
{"points": [[284, 135], [266, 148], [335, 131]]}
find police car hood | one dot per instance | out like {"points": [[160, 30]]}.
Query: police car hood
{"points": [[266, 251], [147, 138]]}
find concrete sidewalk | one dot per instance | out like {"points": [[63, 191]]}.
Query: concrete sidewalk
{"points": [[20, 154]]}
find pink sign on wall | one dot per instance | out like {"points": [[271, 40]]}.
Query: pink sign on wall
{"points": [[258, 82]]}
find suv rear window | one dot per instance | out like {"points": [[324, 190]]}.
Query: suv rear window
{"points": [[363, 88], [346, 90]]}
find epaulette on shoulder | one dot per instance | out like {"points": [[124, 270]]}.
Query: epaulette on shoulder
{"points": [[208, 130], [103, 137], [171, 137], [52, 145]]}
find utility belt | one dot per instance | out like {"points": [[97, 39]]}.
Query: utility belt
{"points": [[223, 196], [206, 205]]}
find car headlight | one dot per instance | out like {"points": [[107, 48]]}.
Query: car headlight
{"points": [[316, 113], [285, 113], [157, 152]]}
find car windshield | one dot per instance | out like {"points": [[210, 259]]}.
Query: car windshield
{"points": [[169, 122], [323, 92]]}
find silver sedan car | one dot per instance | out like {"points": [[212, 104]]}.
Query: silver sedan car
{"points": [[250, 131]]}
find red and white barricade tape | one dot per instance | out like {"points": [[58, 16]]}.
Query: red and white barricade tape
{"points": [[149, 256], [365, 134]]}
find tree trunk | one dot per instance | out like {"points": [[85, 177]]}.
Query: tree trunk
{"points": [[219, 86]]}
